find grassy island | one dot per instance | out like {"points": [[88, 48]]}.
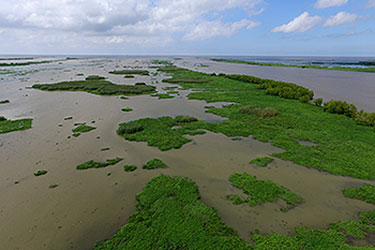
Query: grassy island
{"points": [[94, 164], [130, 72], [7, 126], [97, 86]]}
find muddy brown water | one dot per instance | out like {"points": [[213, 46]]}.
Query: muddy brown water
{"points": [[88, 205], [354, 87]]}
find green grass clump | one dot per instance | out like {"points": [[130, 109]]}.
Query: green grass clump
{"points": [[124, 98], [236, 200], [95, 77], [130, 72], [263, 191], [365, 193], [104, 149], [262, 161], [7, 126], [4, 101], [76, 134], [139, 83], [170, 215], [342, 146], [368, 69], [260, 112], [94, 164], [128, 76], [98, 87], [126, 109], [187, 80], [83, 129], [40, 172], [163, 96], [154, 164], [185, 119], [130, 168], [80, 74], [53, 186], [158, 132]]}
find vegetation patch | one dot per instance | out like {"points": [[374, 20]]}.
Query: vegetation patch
{"points": [[4, 101], [342, 146], [187, 80], [104, 149], [40, 172], [94, 164], [260, 112], [128, 76], [262, 161], [158, 132], [126, 109], [170, 215], [130, 168], [7, 126], [130, 72], [83, 129], [357, 69], [185, 119], [22, 63], [53, 186], [98, 87], [163, 96], [154, 164], [95, 77], [263, 191], [365, 193]]}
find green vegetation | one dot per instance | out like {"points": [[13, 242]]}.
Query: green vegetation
{"points": [[93, 164], [4, 101], [368, 69], [126, 109], [336, 237], [163, 62], [262, 191], [98, 87], [40, 172], [130, 72], [68, 118], [76, 134], [130, 168], [187, 80], [95, 77], [262, 161], [342, 146], [80, 74], [154, 164], [260, 112], [53, 186], [124, 98], [128, 76], [158, 132], [7, 126], [170, 216], [277, 88], [104, 149], [83, 129], [139, 83], [22, 63], [185, 119], [163, 96], [365, 193], [318, 102]]}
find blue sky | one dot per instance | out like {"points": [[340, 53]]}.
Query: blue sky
{"points": [[188, 27]]}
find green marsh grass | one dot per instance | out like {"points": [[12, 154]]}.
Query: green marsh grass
{"points": [[130, 72], [94, 164], [4, 101], [130, 168], [7, 126], [262, 161], [83, 129], [154, 164], [365, 193], [40, 172], [126, 109]]}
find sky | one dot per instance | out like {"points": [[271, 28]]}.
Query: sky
{"points": [[188, 27]]}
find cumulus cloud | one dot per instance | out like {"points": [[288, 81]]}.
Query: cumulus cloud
{"points": [[119, 21], [329, 3], [340, 18], [302, 23], [371, 4], [207, 30]]}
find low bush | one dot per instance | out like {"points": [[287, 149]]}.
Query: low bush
{"points": [[340, 107], [318, 101]]}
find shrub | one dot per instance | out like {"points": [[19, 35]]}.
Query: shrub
{"points": [[2, 118], [318, 102], [129, 128], [4, 101], [340, 107], [185, 119], [364, 118]]}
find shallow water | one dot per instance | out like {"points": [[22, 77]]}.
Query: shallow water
{"points": [[354, 87], [88, 205]]}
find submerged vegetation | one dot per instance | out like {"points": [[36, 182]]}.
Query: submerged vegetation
{"points": [[262, 191], [365, 193], [170, 215], [184, 223], [7, 126], [94, 164], [98, 87], [358, 69], [262, 161], [130, 72], [342, 146], [158, 132], [154, 164]]}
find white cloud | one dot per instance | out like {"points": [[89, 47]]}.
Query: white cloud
{"points": [[329, 3], [207, 29], [371, 4], [340, 18], [302, 23]]}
